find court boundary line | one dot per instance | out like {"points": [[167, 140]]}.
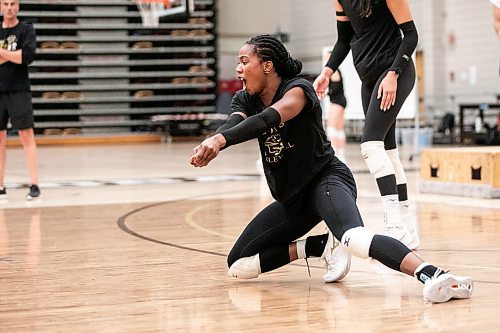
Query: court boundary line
{"points": [[121, 222]]}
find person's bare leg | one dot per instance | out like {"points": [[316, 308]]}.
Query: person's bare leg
{"points": [[336, 120], [27, 137], [410, 263], [292, 251], [335, 129]]}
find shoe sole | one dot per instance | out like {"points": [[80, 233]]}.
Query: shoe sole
{"points": [[447, 287], [30, 198]]}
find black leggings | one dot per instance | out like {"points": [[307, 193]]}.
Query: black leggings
{"points": [[330, 197], [380, 125]]}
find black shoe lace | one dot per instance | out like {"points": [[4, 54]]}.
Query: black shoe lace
{"points": [[308, 269]]}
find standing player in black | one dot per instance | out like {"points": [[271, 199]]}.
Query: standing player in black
{"points": [[305, 177], [17, 51], [382, 58]]}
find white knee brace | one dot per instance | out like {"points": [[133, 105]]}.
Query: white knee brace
{"points": [[245, 268], [398, 167], [358, 241], [376, 158]]}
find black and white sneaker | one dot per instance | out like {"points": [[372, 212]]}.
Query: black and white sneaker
{"points": [[3, 193], [33, 193]]}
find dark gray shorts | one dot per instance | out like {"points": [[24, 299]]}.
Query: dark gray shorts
{"points": [[17, 107]]}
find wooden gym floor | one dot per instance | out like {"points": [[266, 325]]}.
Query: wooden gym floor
{"points": [[130, 238]]}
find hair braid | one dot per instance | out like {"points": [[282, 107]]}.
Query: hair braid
{"points": [[269, 48]]}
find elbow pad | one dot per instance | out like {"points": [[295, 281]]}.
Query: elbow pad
{"points": [[251, 127], [408, 45], [233, 120], [343, 45]]}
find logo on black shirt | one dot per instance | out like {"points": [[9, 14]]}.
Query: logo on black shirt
{"points": [[9, 44], [275, 147]]}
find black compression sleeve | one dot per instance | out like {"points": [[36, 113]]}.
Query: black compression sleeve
{"points": [[388, 251], [252, 127], [343, 45], [408, 45], [233, 120]]}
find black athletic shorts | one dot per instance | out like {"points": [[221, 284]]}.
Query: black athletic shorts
{"points": [[17, 107], [338, 99]]}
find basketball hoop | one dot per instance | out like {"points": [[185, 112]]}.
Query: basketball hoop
{"points": [[151, 10]]}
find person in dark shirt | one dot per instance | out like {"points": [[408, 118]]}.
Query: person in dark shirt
{"points": [[309, 183], [17, 51], [372, 30]]}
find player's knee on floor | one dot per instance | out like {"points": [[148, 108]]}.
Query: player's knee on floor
{"points": [[376, 158], [245, 268], [358, 241]]}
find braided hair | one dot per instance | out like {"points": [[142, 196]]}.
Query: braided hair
{"points": [[269, 48]]}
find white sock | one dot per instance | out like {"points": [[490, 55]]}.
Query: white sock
{"points": [[420, 267], [301, 248], [391, 209], [408, 220], [404, 208]]}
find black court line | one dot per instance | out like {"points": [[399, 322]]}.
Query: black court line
{"points": [[121, 222], [123, 226]]}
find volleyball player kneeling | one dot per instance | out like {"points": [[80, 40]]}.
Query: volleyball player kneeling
{"points": [[309, 183]]}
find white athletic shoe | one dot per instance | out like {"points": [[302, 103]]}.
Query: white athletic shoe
{"points": [[410, 222], [337, 260], [447, 286], [245, 268], [400, 232], [415, 239]]}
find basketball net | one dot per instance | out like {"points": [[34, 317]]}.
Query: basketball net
{"points": [[151, 10]]}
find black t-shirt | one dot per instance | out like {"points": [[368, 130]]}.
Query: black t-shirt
{"points": [[294, 152], [14, 77], [376, 39]]}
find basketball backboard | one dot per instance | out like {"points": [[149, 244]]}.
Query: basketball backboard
{"points": [[152, 10]]}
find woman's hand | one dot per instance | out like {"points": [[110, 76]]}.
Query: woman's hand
{"points": [[387, 90], [321, 83], [207, 150]]}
